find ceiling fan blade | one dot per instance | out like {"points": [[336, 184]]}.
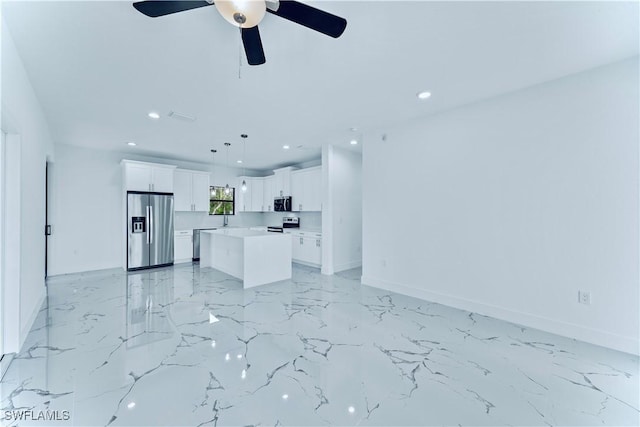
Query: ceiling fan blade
{"points": [[155, 8], [311, 17], [253, 46]]}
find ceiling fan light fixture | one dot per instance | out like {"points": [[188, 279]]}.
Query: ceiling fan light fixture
{"points": [[242, 13]]}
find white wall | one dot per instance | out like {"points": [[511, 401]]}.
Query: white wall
{"points": [[29, 144], [513, 204], [86, 207], [342, 209]]}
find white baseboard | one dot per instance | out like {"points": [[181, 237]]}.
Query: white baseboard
{"points": [[593, 336], [347, 265], [308, 264], [53, 278]]}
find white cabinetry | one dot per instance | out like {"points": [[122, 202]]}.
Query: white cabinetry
{"points": [[297, 190], [282, 182], [183, 246], [256, 186], [306, 189], [307, 248], [201, 190], [253, 199], [143, 176], [250, 200], [268, 193], [191, 191]]}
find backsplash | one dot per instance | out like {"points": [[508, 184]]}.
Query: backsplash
{"points": [[191, 220], [307, 219]]}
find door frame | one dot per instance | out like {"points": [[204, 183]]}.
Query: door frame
{"points": [[47, 227], [3, 138]]}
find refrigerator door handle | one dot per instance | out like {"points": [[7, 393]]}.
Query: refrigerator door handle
{"points": [[148, 230], [151, 225]]}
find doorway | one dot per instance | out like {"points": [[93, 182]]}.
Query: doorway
{"points": [[2, 275]]}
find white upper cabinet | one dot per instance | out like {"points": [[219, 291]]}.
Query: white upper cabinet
{"points": [[201, 192], [268, 193], [182, 191], [162, 179], [297, 189], [143, 176], [306, 189], [282, 182], [257, 194], [304, 186], [191, 191], [137, 177]]}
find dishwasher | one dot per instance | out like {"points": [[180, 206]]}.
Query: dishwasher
{"points": [[196, 242]]}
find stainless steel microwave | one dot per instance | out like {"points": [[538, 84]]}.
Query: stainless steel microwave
{"points": [[282, 204]]}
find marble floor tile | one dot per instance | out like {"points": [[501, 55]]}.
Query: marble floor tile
{"points": [[182, 346]]}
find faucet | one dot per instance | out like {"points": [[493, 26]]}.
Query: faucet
{"points": [[225, 220]]}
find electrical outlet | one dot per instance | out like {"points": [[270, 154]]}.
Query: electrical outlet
{"points": [[584, 297]]}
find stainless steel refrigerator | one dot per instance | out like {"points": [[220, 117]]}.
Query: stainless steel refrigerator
{"points": [[149, 230]]}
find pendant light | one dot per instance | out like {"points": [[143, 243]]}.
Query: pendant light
{"points": [[227, 189], [244, 167], [213, 191]]}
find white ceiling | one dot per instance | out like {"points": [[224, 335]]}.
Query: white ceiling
{"points": [[99, 67]]}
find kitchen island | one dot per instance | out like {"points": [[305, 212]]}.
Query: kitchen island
{"points": [[255, 257]]}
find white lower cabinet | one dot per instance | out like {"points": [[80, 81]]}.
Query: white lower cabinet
{"points": [[307, 248], [183, 246]]}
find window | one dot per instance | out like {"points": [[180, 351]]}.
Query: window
{"points": [[221, 203]]}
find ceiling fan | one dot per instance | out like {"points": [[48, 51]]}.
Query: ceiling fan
{"points": [[247, 14]]}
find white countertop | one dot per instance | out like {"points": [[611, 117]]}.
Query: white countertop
{"points": [[303, 230], [311, 230], [241, 232]]}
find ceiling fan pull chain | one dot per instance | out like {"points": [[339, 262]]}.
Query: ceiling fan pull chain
{"points": [[239, 53]]}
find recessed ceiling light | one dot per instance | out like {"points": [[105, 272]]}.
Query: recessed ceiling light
{"points": [[238, 161], [424, 95], [131, 144], [286, 147], [354, 142], [154, 115]]}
